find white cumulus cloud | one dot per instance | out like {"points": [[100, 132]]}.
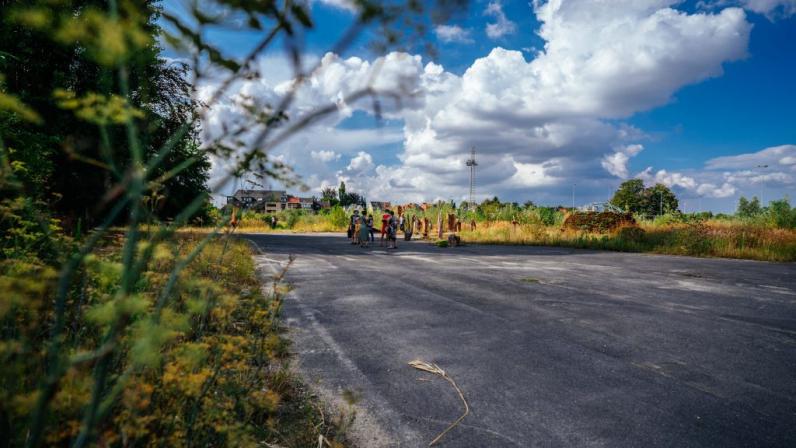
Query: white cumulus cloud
{"points": [[347, 5], [324, 156], [771, 8], [502, 25], [783, 155], [453, 33], [537, 125], [616, 163], [361, 163]]}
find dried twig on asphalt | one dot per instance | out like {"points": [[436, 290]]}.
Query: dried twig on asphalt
{"points": [[436, 370], [323, 441]]}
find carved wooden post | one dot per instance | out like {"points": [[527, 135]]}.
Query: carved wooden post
{"points": [[439, 225], [451, 222], [459, 226], [472, 225], [425, 228]]}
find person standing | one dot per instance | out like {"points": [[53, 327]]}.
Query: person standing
{"points": [[392, 232], [358, 223], [364, 232], [353, 227], [369, 222], [385, 218]]}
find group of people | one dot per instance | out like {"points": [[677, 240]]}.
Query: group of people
{"points": [[361, 229]]}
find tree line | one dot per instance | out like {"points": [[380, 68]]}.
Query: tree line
{"points": [[72, 148]]}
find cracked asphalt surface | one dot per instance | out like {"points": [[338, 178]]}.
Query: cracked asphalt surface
{"points": [[551, 346]]}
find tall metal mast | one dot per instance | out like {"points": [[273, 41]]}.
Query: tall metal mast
{"points": [[472, 164]]}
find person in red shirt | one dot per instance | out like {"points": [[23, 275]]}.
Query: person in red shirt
{"points": [[385, 218]]}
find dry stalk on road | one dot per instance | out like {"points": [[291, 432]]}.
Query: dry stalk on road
{"points": [[436, 370]]}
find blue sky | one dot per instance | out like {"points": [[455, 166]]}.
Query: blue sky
{"points": [[692, 94]]}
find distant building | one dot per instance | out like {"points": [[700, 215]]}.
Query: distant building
{"points": [[293, 203], [267, 201], [377, 205], [306, 203]]}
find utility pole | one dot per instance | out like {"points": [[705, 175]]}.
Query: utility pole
{"points": [[573, 197], [661, 203], [472, 164]]}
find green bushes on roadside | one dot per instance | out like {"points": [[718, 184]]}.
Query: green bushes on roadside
{"points": [[781, 215], [206, 367]]}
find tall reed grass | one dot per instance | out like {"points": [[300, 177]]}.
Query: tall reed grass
{"points": [[705, 239]]}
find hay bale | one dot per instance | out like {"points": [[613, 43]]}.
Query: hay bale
{"points": [[598, 221]]}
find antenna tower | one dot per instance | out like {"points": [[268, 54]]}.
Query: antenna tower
{"points": [[472, 164]]}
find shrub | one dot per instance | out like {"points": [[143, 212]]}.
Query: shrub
{"points": [[292, 217], [338, 216], [550, 216], [669, 219], [693, 239], [781, 215], [597, 221], [631, 234]]}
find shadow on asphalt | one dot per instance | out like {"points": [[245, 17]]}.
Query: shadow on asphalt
{"points": [[330, 244]]}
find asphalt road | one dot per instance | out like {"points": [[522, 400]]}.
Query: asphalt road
{"points": [[550, 346]]}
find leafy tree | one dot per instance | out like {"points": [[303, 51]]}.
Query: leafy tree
{"points": [[494, 200], [633, 197], [747, 208], [781, 214], [342, 194], [659, 199], [69, 85], [630, 196], [354, 199], [316, 205], [329, 194]]}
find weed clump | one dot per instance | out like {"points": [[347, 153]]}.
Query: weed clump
{"points": [[598, 221], [633, 235]]}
